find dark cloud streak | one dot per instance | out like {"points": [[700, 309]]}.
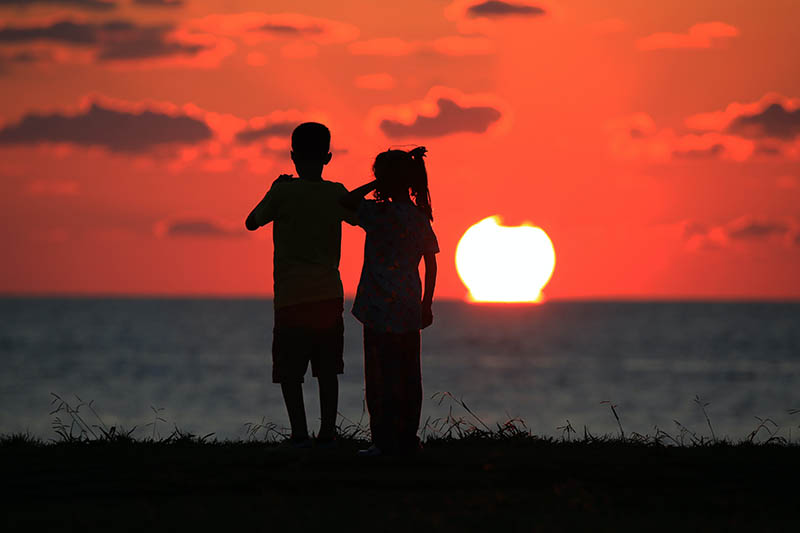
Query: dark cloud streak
{"points": [[279, 129], [286, 29], [196, 227], [118, 131], [714, 151], [496, 8], [93, 5], [451, 118], [757, 230], [115, 40], [775, 121], [160, 3]]}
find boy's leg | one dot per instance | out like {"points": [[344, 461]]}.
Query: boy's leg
{"points": [[328, 405], [327, 360], [293, 397]]}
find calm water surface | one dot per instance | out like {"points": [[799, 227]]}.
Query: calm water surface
{"points": [[206, 362]]}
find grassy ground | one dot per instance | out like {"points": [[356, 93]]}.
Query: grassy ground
{"points": [[469, 477], [477, 483]]}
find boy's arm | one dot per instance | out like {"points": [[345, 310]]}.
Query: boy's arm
{"points": [[430, 284], [263, 213], [353, 198]]}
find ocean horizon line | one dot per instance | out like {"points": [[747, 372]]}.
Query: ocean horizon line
{"points": [[349, 297]]}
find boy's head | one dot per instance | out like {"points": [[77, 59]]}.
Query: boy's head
{"points": [[311, 145]]}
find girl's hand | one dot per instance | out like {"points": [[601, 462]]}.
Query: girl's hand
{"points": [[283, 178], [427, 315]]}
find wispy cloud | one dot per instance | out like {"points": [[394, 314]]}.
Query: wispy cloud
{"points": [[703, 35], [197, 227], [92, 5]]}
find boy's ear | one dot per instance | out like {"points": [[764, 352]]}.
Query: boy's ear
{"points": [[327, 158]]}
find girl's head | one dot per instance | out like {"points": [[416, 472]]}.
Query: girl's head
{"points": [[399, 173]]}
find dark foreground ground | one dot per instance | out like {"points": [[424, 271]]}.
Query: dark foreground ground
{"points": [[522, 484]]}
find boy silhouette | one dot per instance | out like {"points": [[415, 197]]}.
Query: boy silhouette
{"points": [[307, 238]]}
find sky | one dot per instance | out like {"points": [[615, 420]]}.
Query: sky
{"points": [[656, 143]]}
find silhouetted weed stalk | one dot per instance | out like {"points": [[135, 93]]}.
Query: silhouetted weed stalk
{"points": [[79, 422]]}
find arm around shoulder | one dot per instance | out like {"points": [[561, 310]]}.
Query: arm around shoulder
{"points": [[352, 199]]}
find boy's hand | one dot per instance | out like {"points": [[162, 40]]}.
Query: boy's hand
{"points": [[427, 314]]}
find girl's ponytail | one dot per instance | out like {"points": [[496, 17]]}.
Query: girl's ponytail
{"points": [[419, 181]]}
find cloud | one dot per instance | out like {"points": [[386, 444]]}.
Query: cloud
{"points": [[754, 229], [742, 231], [443, 111], [454, 45], [187, 227], [160, 3], [93, 5], [774, 121], [65, 31], [703, 35], [451, 118], [638, 137], [496, 8], [715, 150], [124, 42], [256, 27], [381, 81], [483, 17], [278, 129], [24, 57], [117, 130]]}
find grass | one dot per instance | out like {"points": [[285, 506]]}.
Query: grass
{"points": [[471, 476]]}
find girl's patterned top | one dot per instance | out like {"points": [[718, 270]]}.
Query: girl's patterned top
{"points": [[390, 292]]}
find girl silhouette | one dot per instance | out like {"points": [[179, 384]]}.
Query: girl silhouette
{"points": [[390, 302]]}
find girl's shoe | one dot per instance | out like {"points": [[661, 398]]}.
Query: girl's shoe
{"points": [[372, 451]]}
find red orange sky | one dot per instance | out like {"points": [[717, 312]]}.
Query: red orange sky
{"points": [[657, 143]]}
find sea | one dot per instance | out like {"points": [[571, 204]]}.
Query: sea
{"points": [[727, 369]]}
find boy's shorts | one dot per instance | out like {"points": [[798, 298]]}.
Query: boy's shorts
{"points": [[308, 332]]}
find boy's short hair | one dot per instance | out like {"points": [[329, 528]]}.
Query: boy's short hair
{"points": [[311, 139]]}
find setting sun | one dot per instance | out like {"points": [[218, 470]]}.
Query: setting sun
{"points": [[505, 264]]}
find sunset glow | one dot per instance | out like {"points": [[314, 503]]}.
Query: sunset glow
{"points": [[505, 264], [660, 148]]}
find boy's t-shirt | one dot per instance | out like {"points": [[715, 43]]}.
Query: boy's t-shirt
{"points": [[307, 237], [390, 292]]}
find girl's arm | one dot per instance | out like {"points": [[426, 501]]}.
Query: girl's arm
{"points": [[353, 198], [430, 284]]}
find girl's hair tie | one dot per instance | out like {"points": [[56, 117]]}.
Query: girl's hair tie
{"points": [[418, 152]]}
